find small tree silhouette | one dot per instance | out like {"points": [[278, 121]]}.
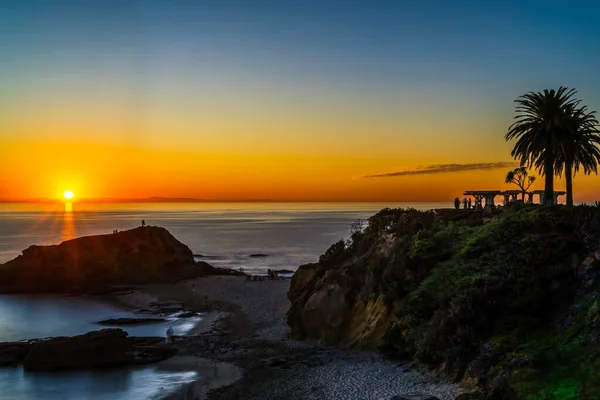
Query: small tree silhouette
{"points": [[520, 177]]}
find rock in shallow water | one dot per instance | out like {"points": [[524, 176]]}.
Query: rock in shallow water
{"points": [[98, 349], [13, 353]]}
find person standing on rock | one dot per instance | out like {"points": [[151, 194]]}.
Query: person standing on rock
{"points": [[169, 338], [143, 223]]}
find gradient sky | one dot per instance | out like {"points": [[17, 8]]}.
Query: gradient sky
{"points": [[282, 100]]}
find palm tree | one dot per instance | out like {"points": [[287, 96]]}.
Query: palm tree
{"points": [[578, 147], [540, 124]]}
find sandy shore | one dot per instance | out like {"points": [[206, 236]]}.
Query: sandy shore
{"points": [[213, 375], [245, 322]]}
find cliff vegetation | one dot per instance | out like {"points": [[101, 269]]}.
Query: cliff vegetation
{"points": [[508, 303]]}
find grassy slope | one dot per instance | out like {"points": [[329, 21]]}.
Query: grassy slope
{"points": [[503, 298]]}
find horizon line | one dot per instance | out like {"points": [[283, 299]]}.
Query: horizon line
{"points": [[197, 200]]}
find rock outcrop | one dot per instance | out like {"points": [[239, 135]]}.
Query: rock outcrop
{"points": [[484, 302], [12, 353], [346, 297], [105, 348], [95, 263]]}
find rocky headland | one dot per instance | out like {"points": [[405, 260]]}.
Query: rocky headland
{"points": [[507, 306], [96, 264]]}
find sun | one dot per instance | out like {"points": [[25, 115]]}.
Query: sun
{"points": [[68, 194]]}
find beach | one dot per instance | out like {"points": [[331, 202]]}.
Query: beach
{"points": [[255, 359]]}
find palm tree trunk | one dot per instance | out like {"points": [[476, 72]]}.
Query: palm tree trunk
{"points": [[549, 177], [569, 182]]}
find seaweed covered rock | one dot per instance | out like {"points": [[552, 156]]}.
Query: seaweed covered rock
{"points": [[466, 296], [94, 263]]}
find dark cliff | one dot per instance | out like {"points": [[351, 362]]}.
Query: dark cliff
{"points": [[94, 263], [491, 303]]}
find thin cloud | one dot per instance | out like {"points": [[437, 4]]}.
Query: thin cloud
{"points": [[445, 168]]}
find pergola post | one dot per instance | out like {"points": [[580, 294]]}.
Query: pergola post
{"points": [[489, 202], [506, 198], [556, 194], [478, 202], [529, 198]]}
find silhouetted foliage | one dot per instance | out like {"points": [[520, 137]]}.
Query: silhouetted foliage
{"points": [[540, 122], [579, 147], [555, 134], [520, 177]]}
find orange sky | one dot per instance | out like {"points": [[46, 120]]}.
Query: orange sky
{"points": [[296, 102], [93, 170], [315, 151]]}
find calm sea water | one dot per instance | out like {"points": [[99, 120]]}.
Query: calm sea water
{"points": [[26, 317], [290, 234]]}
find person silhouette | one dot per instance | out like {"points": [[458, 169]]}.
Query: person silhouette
{"points": [[169, 336], [469, 205], [465, 203], [143, 223], [457, 203]]}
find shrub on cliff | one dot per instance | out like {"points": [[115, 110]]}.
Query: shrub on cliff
{"points": [[499, 276]]}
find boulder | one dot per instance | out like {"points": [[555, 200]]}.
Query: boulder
{"points": [[98, 349], [257, 255], [13, 353], [324, 312], [500, 389], [94, 264], [130, 321]]}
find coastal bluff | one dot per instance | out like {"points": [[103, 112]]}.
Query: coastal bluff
{"points": [[93, 264], [508, 304]]}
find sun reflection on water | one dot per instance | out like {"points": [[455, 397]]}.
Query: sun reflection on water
{"points": [[68, 231]]}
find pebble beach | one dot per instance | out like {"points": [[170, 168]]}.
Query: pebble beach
{"points": [[247, 322]]}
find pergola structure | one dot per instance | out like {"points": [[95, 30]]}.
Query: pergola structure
{"points": [[541, 194], [509, 195], [479, 195]]}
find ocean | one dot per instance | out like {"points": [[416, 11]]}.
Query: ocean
{"points": [[222, 234]]}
